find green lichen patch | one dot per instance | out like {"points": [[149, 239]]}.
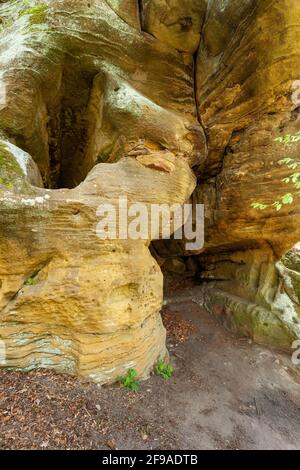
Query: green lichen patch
{"points": [[10, 171], [32, 280]]}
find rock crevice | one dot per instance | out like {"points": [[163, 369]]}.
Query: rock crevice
{"points": [[99, 109]]}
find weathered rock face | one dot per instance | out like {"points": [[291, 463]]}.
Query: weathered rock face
{"points": [[104, 99]]}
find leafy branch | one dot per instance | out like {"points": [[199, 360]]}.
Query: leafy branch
{"points": [[293, 179]]}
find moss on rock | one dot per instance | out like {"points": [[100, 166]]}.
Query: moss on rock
{"points": [[10, 171]]}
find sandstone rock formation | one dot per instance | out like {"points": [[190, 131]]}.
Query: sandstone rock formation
{"points": [[110, 98], [95, 116]]}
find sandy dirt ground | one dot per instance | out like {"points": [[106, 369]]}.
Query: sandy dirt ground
{"points": [[226, 393]]}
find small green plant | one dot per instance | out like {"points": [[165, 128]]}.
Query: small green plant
{"points": [[163, 370], [129, 381], [32, 280]]}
